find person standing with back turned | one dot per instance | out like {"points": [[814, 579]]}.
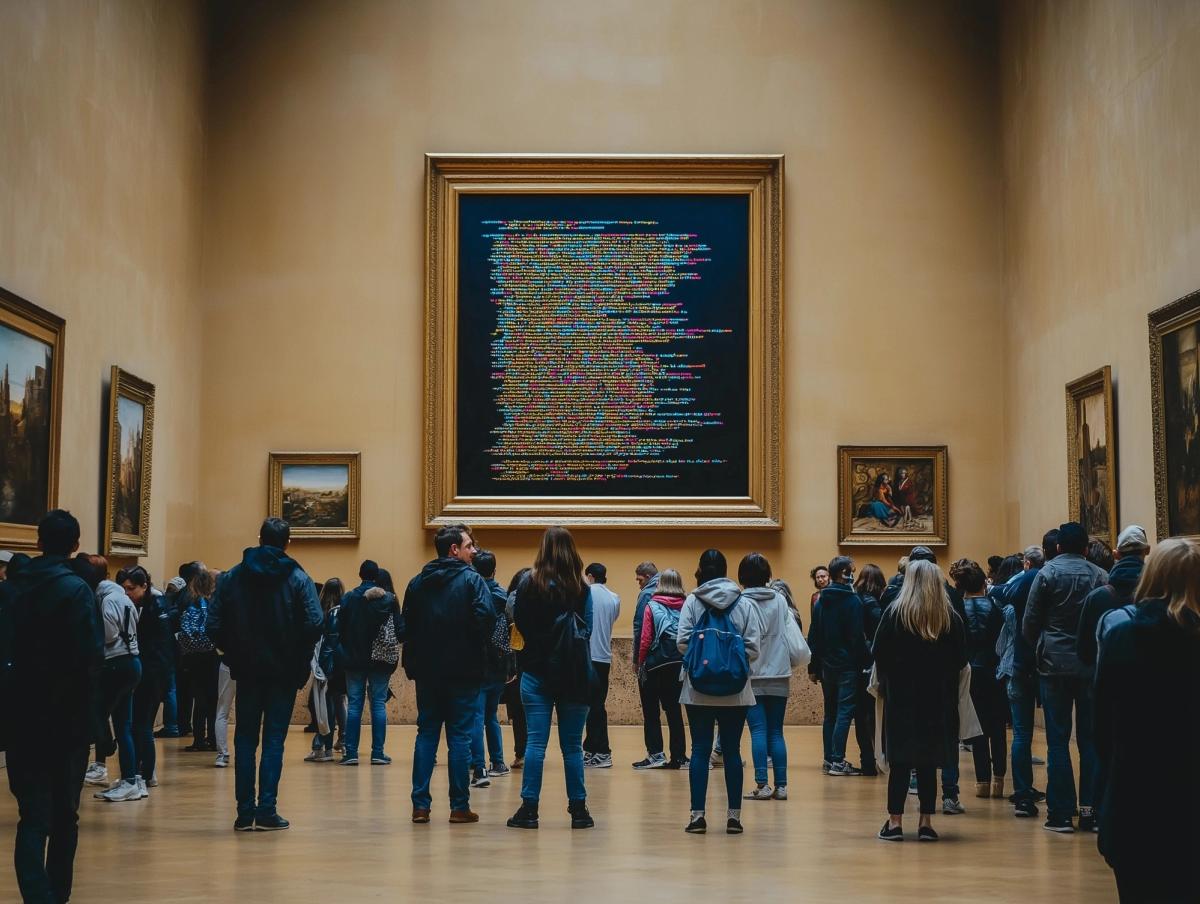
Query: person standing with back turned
{"points": [[606, 608], [265, 617]]}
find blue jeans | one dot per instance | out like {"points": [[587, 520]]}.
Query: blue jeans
{"points": [[950, 777], [486, 722], [118, 682], [572, 717], [1021, 703], [765, 719], [730, 720], [1059, 695], [454, 707], [356, 689], [170, 707], [839, 688], [262, 709]]}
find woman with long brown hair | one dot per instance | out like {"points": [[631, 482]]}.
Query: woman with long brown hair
{"points": [[1148, 708], [553, 614]]}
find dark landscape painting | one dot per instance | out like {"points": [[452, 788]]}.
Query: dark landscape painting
{"points": [[1181, 410], [26, 412], [316, 495], [1092, 464], [127, 484]]}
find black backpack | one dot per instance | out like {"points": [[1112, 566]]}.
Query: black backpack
{"points": [[569, 665]]}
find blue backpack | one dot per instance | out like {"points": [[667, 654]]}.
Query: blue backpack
{"points": [[716, 660]]}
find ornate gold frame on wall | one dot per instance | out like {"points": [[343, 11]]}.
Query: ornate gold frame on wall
{"points": [[941, 497], [117, 543], [1162, 322], [352, 461], [760, 178], [27, 318], [1077, 390]]}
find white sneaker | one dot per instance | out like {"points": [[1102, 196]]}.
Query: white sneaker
{"points": [[152, 781], [141, 786], [97, 774], [222, 761], [121, 791], [762, 792]]}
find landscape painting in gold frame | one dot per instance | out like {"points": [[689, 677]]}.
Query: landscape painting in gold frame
{"points": [[1175, 403], [535, 454], [317, 493], [1092, 455], [893, 496], [130, 454]]}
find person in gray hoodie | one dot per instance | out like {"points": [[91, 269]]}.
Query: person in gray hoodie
{"points": [[727, 713], [781, 648]]}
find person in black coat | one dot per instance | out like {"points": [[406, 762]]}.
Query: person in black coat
{"points": [[1147, 703], [920, 648], [368, 653], [869, 587], [51, 630]]}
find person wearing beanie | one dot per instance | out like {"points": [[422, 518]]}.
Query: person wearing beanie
{"points": [[1130, 554]]}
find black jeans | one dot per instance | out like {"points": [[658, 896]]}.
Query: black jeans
{"points": [[203, 671], [864, 725], [596, 739], [47, 785], [898, 788], [516, 715], [730, 721], [666, 689], [1149, 886], [651, 727], [991, 706], [149, 694]]}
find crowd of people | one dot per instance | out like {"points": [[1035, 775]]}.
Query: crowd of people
{"points": [[1107, 641]]}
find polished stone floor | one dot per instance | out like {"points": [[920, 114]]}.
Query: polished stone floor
{"points": [[352, 841]]}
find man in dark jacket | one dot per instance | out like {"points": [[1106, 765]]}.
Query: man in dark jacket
{"points": [[497, 668], [1132, 549], [448, 617], [1051, 623], [265, 617], [839, 653], [1018, 668], [50, 626], [646, 575]]}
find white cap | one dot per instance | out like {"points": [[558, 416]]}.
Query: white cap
{"points": [[1133, 539], [5, 556]]}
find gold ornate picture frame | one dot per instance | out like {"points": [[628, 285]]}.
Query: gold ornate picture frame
{"points": [[317, 493], [32, 346], [451, 178], [893, 496], [129, 465], [1092, 454], [1175, 404]]}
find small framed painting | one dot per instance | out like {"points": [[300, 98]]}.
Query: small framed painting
{"points": [[31, 378], [317, 493], [1175, 400], [130, 450], [893, 496], [1092, 455]]}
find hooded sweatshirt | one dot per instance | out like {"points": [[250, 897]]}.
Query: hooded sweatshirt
{"points": [[119, 617], [781, 647], [1118, 592], [719, 594], [655, 620], [265, 617], [448, 618], [359, 620], [836, 635]]}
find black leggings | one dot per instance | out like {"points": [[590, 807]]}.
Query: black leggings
{"points": [[898, 788], [203, 671], [667, 688], [991, 706], [516, 715]]}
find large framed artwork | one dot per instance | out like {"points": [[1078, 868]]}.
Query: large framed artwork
{"points": [[1175, 399], [1092, 454], [893, 496], [31, 369], [603, 341], [130, 454], [317, 493]]}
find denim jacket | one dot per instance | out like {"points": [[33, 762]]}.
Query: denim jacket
{"points": [[1052, 613], [1006, 646]]}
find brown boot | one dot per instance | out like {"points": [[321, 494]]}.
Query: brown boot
{"points": [[463, 816], [420, 816], [998, 787], [983, 789]]}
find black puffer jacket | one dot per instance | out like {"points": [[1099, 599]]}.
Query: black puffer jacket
{"points": [[363, 612], [265, 617], [448, 617], [156, 635]]}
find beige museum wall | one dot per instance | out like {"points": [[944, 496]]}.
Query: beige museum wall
{"points": [[319, 114], [100, 167], [1101, 127]]}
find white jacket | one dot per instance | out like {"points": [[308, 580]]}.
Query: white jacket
{"points": [[781, 647], [120, 617]]}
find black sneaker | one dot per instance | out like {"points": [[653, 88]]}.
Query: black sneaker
{"points": [[653, 761], [733, 826], [890, 832], [926, 833], [844, 768], [272, 823], [1087, 820], [1038, 796], [677, 764], [1061, 824], [244, 824], [1025, 808], [697, 826], [580, 817], [164, 733], [525, 818]]}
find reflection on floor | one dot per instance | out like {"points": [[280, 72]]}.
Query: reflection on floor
{"points": [[351, 840]]}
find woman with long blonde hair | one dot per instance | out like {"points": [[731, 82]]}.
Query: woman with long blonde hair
{"points": [[1147, 705], [920, 648]]}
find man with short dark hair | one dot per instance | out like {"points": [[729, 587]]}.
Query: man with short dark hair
{"points": [[448, 616], [265, 617], [50, 629], [1052, 623], [606, 607], [497, 669], [646, 575]]}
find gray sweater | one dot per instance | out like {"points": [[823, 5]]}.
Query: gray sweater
{"points": [[719, 594]]}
